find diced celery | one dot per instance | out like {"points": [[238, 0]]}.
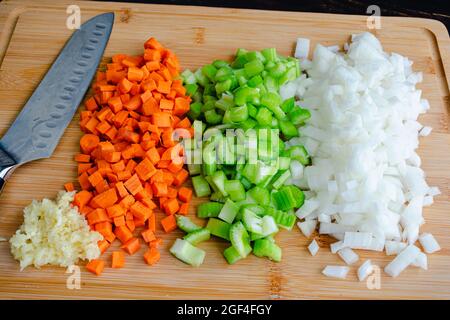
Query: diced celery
{"points": [[270, 54], [219, 228], [298, 115], [187, 253], [235, 189], [209, 71], [218, 179], [288, 105], [229, 211], [299, 153], [238, 114], [197, 236], [209, 209], [212, 117], [278, 183], [201, 186], [268, 249], [264, 116], [261, 195], [253, 67], [195, 110], [272, 101], [240, 239], [231, 255], [186, 224], [285, 220], [194, 169]]}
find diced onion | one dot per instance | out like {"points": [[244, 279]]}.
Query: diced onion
{"points": [[302, 48], [348, 255], [313, 247], [364, 270], [402, 261], [429, 243], [339, 272]]}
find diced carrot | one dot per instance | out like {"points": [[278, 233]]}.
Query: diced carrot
{"points": [[82, 157], [162, 119], [105, 199], [133, 184], [119, 221], [169, 223], [115, 211], [82, 198], [96, 266], [123, 233], [103, 245], [180, 177], [69, 187], [148, 235], [117, 259], [83, 180], [155, 243], [185, 194], [171, 206], [131, 246], [95, 178], [184, 208], [89, 142], [152, 256], [97, 216], [140, 211]]}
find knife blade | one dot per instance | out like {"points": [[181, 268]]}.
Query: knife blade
{"points": [[38, 128]]}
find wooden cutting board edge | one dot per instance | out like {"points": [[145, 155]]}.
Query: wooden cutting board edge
{"points": [[10, 11]]}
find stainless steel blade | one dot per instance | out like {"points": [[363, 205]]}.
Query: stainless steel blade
{"points": [[42, 121]]}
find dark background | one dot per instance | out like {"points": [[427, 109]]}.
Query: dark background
{"points": [[433, 9]]}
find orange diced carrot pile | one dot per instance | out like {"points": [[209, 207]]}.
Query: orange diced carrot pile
{"points": [[130, 163]]}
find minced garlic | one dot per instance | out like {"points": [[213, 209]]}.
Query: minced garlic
{"points": [[54, 233]]}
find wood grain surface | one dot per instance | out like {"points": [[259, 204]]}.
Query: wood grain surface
{"points": [[34, 32]]}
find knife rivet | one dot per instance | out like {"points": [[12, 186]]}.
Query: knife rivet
{"points": [[100, 25], [50, 124], [41, 145], [69, 88], [90, 48], [97, 33], [93, 40], [66, 97], [60, 106], [82, 63], [55, 115], [74, 80], [45, 134], [86, 55], [78, 71]]}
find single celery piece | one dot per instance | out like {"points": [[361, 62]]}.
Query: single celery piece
{"points": [[186, 224], [197, 236], [285, 220], [298, 115], [231, 255], [278, 183], [218, 179], [287, 128], [229, 211], [219, 228], [240, 239], [268, 249], [209, 209], [187, 253], [235, 190], [288, 105], [264, 116], [261, 195], [201, 186], [299, 153], [252, 222], [284, 199]]}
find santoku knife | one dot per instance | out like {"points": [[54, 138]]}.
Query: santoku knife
{"points": [[42, 121]]}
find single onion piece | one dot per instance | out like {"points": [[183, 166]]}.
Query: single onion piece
{"points": [[402, 261], [302, 48], [364, 270], [313, 247], [429, 243], [339, 272], [348, 255]]}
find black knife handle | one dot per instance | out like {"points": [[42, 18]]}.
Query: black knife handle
{"points": [[7, 166]]}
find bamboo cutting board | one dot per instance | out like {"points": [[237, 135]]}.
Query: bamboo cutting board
{"points": [[34, 32]]}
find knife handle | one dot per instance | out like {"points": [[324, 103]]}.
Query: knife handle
{"points": [[7, 166]]}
